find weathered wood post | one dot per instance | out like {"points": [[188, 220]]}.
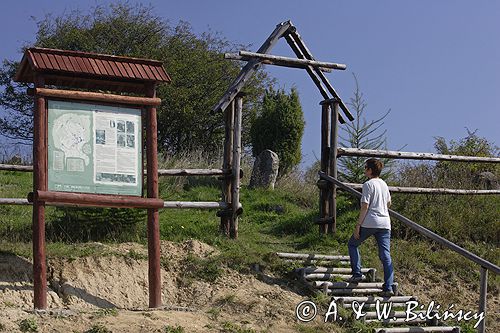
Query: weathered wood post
{"points": [[483, 289], [235, 197], [325, 157], [153, 215], [334, 108], [39, 183], [227, 165]]}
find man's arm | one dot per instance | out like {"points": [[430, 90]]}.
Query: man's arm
{"points": [[362, 215]]}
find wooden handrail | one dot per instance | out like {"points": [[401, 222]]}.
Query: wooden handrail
{"points": [[420, 229]]}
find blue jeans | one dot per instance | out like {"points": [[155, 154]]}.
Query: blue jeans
{"points": [[383, 237]]}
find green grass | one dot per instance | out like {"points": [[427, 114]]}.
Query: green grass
{"points": [[279, 220]]}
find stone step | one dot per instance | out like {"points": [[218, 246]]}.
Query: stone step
{"points": [[374, 299], [349, 285], [311, 256], [444, 329]]}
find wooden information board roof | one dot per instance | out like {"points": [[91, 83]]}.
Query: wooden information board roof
{"points": [[90, 70]]}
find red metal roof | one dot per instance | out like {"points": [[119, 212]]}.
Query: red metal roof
{"points": [[63, 67]]}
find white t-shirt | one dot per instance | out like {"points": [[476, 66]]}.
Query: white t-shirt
{"points": [[376, 195]]}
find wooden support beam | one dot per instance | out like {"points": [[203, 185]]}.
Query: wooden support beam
{"points": [[227, 164], [413, 155], [40, 183], [334, 133], [236, 160], [153, 225], [196, 204], [324, 207], [269, 59], [251, 67], [483, 290], [97, 97], [308, 55], [424, 190], [94, 200], [421, 230]]}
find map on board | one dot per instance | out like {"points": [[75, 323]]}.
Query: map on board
{"points": [[94, 148]]}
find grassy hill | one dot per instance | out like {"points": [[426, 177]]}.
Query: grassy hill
{"points": [[279, 220]]}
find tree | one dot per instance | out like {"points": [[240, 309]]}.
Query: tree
{"points": [[363, 134], [279, 126], [199, 73]]}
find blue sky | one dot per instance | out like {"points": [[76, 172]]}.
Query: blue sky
{"points": [[435, 64]]}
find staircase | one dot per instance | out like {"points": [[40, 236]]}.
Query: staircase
{"points": [[331, 278]]}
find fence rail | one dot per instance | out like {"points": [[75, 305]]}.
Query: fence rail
{"points": [[413, 155], [427, 190]]}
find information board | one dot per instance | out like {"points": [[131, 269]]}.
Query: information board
{"points": [[94, 148]]}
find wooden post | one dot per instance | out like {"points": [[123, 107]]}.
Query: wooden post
{"points": [[39, 183], [325, 156], [334, 107], [483, 290], [235, 196], [153, 215], [227, 164]]}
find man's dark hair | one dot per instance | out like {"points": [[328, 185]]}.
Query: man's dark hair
{"points": [[375, 166]]}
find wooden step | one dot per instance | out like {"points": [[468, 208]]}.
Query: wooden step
{"points": [[399, 321], [327, 276], [397, 314], [307, 261], [374, 299], [349, 291], [444, 329], [330, 270], [373, 305], [348, 285], [311, 256]]}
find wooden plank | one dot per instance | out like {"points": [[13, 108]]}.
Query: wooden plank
{"points": [[68, 63], [14, 201], [413, 156], [135, 71], [147, 70], [38, 60], [121, 69], [76, 64], [128, 69], [11, 167], [483, 291], [110, 69], [192, 172], [424, 190], [38, 212], [99, 97], [157, 75], [141, 71], [94, 66], [334, 116], [196, 204], [97, 200], [236, 159], [153, 225], [101, 66], [251, 67], [324, 211], [311, 256], [423, 231], [227, 164], [60, 62], [46, 61], [283, 61], [308, 55]]}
